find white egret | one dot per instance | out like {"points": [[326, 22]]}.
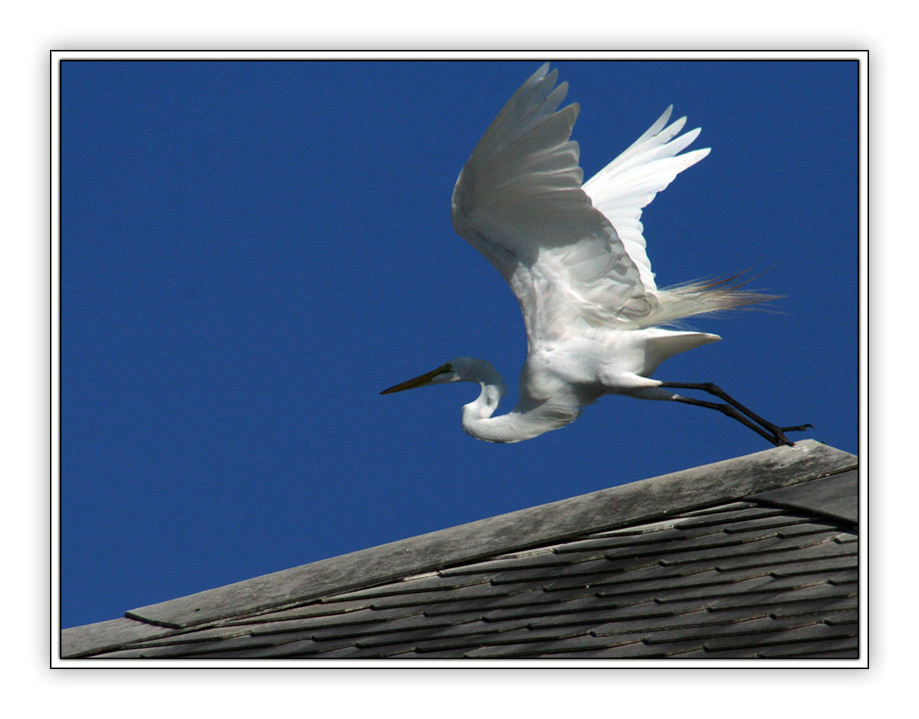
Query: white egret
{"points": [[574, 256]]}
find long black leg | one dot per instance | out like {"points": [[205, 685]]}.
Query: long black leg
{"points": [[734, 414], [733, 408]]}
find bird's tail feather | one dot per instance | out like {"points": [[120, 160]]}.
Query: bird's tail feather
{"points": [[701, 297]]}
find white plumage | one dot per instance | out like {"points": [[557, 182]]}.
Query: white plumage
{"points": [[575, 256]]}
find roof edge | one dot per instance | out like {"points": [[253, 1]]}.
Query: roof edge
{"points": [[104, 636], [835, 497], [605, 509]]}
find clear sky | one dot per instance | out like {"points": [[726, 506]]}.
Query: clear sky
{"points": [[251, 251]]}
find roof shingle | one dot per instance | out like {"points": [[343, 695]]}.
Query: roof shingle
{"points": [[752, 557]]}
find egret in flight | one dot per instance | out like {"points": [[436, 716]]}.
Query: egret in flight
{"points": [[574, 255]]}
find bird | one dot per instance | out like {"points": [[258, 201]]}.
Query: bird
{"points": [[574, 255]]}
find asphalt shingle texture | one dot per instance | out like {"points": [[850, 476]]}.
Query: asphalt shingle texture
{"points": [[767, 575]]}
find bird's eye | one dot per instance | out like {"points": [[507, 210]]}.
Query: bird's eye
{"points": [[446, 368]]}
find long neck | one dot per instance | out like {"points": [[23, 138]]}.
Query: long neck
{"points": [[525, 421]]}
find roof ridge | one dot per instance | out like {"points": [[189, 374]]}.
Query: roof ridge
{"points": [[605, 509]]}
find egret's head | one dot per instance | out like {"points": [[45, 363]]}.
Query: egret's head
{"points": [[444, 373]]}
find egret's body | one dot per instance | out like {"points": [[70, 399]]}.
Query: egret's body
{"points": [[574, 255]]}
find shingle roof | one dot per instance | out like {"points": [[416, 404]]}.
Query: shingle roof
{"points": [[751, 557]]}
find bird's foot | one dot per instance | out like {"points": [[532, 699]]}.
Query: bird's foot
{"points": [[778, 433]]}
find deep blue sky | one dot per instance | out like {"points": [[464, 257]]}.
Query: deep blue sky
{"points": [[251, 251]]}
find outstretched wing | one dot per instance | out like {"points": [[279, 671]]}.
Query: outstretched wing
{"points": [[519, 201], [629, 183]]}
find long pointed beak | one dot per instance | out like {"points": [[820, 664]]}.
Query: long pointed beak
{"points": [[415, 382]]}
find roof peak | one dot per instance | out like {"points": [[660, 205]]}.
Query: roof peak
{"points": [[605, 509]]}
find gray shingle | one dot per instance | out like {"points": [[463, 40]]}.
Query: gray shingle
{"points": [[735, 560], [835, 497]]}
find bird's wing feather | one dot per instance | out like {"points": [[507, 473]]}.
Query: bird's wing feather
{"points": [[519, 201], [627, 184]]}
